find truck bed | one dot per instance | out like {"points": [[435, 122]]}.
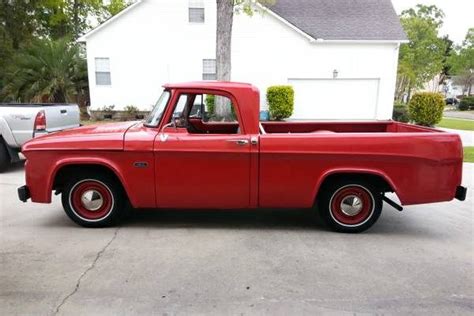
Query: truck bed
{"points": [[343, 127]]}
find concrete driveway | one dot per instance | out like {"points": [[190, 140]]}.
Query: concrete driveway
{"points": [[272, 262]]}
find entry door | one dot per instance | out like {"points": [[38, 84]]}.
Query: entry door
{"points": [[202, 170]]}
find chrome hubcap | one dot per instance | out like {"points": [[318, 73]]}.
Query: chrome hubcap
{"points": [[92, 200], [351, 205]]}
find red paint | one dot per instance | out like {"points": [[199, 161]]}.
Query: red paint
{"points": [[285, 168], [77, 205], [366, 202]]}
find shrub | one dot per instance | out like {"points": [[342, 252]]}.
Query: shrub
{"points": [[400, 112], [211, 107], [107, 108], [280, 101], [131, 110], [467, 103], [426, 108], [211, 104]]}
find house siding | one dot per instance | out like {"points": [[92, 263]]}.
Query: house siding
{"points": [[154, 44]]}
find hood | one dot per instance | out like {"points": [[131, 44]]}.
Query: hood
{"points": [[92, 137]]}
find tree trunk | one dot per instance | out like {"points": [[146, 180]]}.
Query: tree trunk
{"points": [[225, 14]]}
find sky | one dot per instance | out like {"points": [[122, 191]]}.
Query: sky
{"points": [[459, 15]]}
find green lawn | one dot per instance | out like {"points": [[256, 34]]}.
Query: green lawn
{"points": [[466, 125], [468, 154]]}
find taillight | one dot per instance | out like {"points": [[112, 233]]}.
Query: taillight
{"points": [[40, 121]]}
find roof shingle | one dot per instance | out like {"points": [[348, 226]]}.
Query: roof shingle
{"points": [[342, 19]]}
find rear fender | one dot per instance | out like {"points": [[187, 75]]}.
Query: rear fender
{"points": [[372, 172]]}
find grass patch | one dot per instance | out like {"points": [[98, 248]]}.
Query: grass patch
{"points": [[467, 125], [469, 154]]}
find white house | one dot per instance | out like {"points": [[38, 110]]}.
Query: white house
{"points": [[340, 56]]}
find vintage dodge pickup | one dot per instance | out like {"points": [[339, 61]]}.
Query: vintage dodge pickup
{"points": [[184, 157]]}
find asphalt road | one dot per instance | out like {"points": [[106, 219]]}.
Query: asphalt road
{"points": [[226, 263]]}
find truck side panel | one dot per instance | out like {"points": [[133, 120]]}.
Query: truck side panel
{"points": [[422, 167]]}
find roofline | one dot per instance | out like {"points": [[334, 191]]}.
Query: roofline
{"points": [[321, 40], [84, 37], [310, 38], [284, 21], [361, 41]]}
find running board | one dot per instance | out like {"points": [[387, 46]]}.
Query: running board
{"points": [[392, 203]]}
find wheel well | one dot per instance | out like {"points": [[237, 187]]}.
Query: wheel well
{"points": [[65, 172], [376, 180]]}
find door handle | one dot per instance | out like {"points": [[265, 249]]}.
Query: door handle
{"points": [[240, 142]]}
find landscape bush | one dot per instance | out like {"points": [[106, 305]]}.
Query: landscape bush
{"points": [[131, 110], [211, 108], [400, 112], [467, 103], [280, 102], [426, 108], [211, 104]]}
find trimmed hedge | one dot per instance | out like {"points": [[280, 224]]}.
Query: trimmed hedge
{"points": [[467, 103], [280, 101], [400, 112], [426, 108]]}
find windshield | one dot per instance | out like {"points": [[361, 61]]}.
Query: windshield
{"points": [[155, 116]]}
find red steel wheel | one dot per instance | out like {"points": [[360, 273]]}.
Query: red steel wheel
{"points": [[351, 205], [91, 200]]}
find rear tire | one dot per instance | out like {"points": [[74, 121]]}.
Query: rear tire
{"points": [[350, 206], [93, 200], [4, 156]]}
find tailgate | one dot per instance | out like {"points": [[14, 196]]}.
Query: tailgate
{"points": [[63, 116]]}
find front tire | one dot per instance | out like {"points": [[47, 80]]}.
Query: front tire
{"points": [[93, 200], [350, 206]]}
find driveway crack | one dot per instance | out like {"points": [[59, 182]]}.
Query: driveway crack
{"points": [[91, 267]]}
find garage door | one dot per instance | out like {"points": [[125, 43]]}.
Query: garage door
{"points": [[335, 99]]}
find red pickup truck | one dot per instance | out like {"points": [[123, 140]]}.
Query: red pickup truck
{"points": [[183, 156]]}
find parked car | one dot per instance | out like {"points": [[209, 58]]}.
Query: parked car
{"points": [[21, 122], [451, 101], [177, 160]]}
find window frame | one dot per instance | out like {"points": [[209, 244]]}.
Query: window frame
{"points": [[97, 71], [196, 5], [204, 73]]}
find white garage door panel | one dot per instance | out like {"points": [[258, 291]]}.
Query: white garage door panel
{"points": [[335, 99]]}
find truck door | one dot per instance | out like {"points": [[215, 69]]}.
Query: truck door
{"points": [[202, 161]]}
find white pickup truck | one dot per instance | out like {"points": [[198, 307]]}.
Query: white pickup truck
{"points": [[21, 122]]}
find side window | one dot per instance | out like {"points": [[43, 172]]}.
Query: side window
{"points": [[204, 116], [179, 108], [213, 102], [196, 11], [102, 71]]}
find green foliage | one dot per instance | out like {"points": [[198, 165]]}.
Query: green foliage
{"points": [[400, 112], [280, 101], [467, 103], [423, 57], [107, 108], [131, 109], [211, 107], [211, 104], [461, 62], [250, 6], [46, 71], [426, 108]]}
